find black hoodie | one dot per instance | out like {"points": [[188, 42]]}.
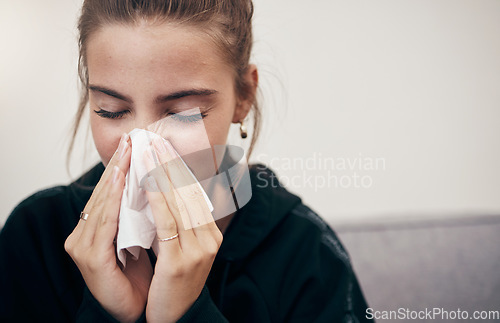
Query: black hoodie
{"points": [[279, 262]]}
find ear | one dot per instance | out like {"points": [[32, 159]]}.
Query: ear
{"points": [[245, 101]]}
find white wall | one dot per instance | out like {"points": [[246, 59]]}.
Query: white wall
{"points": [[412, 83]]}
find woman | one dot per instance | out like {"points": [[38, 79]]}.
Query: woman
{"points": [[274, 260]]}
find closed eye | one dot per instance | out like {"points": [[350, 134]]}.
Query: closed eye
{"points": [[176, 116], [111, 115], [188, 118]]}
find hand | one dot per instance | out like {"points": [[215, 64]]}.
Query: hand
{"points": [[123, 294], [183, 263]]}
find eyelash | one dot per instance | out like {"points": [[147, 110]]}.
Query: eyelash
{"points": [[111, 115], [188, 119], [185, 119]]}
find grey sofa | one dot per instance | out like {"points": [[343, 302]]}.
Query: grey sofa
{"points": [[448, 263]]}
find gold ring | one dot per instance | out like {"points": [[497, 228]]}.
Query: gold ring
{"points": [[84, 216], [170, 238]]}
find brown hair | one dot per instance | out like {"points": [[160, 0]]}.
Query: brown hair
{"points": [[227, 22]]}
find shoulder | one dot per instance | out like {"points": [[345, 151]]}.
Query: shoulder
{"points": [[310, 223], [309, 247], [314, 269], [33, 236], [319, 269], [293, 223], [40, 210], [39, 198], [54, 208], [39, 202]]}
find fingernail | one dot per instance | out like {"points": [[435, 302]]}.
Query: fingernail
{"points": [[159, 146], [122, 148], [116, 171], [169, 147]]}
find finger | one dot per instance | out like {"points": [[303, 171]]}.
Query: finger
{"points": [[189, 190], [166, 226], [77, 231], [188, 196], [161, 157], [207, 232], [204, 227], [108, 221], [97, 202], [167, 190], [95, 212], [121, 157]]}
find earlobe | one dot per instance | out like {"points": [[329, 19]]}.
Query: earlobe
{"points": [[241, 110]]}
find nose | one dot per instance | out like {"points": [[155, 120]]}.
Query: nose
{"points": [[152, 122], [144, 120]]}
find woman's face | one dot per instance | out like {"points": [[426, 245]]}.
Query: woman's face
{"points": [[141, 74]]}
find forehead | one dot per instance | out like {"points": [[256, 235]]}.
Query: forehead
{"points": [[154, 54]]}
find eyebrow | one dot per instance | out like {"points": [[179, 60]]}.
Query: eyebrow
{"points": [[184, 93], [110, 92], [159, 99]]}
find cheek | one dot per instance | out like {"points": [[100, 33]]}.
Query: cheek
{"points": [[196, 138], [202, 135], [189, 139], [106, 138]]}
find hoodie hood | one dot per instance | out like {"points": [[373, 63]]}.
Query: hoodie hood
{"points": [[250, 226], [269, 204]]}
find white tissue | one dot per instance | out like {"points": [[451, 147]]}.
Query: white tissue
{"points": [[136, 226]]}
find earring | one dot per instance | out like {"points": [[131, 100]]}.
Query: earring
{"points": [[243, 129]]}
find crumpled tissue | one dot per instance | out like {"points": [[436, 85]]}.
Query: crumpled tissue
{"points": [[136, 226]]}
